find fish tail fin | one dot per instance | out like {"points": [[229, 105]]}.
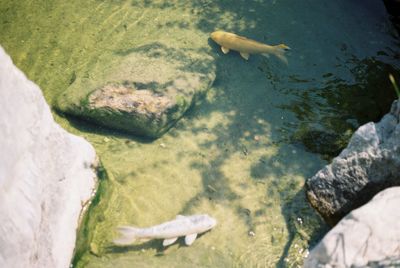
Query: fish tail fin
{"points": [[279, 52], [128, 235]]}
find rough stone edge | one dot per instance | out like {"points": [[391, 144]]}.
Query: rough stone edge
{"points": [[381, 249], [358, 139], [64, 258]]}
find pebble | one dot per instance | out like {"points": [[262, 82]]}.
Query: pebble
{"points": [[162, 145], [306, 253], [300, 220], [251, 233]]}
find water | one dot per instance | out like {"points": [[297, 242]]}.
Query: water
{"points": [[242, 155]]}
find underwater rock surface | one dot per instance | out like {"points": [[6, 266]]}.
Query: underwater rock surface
{"points": [[367, 237], [321, 140], [45, 177], [144, 91], [369, 164]]}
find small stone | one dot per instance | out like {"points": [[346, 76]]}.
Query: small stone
{"points": [[162, 145], [212, 189], [299, 220], [306, 253], [106, 139], [257, 138], [94, 249], [251, 233]]}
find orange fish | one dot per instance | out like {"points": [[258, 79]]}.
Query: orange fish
{"points": [[245, 46]]}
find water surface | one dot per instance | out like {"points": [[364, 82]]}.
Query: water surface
{"points": [[236, 155]]}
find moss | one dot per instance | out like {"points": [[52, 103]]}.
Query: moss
{"points": [[395, 87], [181, 102], [86, 231]]}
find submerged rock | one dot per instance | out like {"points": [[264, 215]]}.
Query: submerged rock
{"points": [[319, 140], [368, 237], [370, 163], [45, 177], [143, 91]]}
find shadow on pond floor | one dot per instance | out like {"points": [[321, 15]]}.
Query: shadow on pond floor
{"points": [[86, 126], [152, 244]]}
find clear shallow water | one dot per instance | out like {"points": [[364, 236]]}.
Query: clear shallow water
{"points": [[233, 156]]}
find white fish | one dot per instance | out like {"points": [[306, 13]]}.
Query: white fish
{"points": [[188, 226]]}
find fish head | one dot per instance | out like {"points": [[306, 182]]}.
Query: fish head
{"points": [[217, 36], [204, 222]]}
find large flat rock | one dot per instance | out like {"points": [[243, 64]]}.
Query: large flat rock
{"points": [[143, 91], [367, 237], [45, 177], [370, 163]]}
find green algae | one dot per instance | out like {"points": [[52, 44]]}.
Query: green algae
{"points": [[85, 232], [231, 156]]}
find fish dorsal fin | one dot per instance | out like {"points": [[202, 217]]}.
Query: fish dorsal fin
{"points": [[245, 55], [178, 217], [225, 50], [242, 37], [189, 239], [169, 241]]}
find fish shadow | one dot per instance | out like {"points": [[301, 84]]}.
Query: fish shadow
{"points": [[152, 244]]}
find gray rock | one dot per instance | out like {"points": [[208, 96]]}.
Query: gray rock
{"points": [[367, 237], [45, 177], [370, 163], [143, 91]]}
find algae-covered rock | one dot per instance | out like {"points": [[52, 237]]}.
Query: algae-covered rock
{"points": [[142, 91], [318, 139]]}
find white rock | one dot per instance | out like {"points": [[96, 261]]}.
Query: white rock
{"points": [[45, 176], [367, 237]]}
